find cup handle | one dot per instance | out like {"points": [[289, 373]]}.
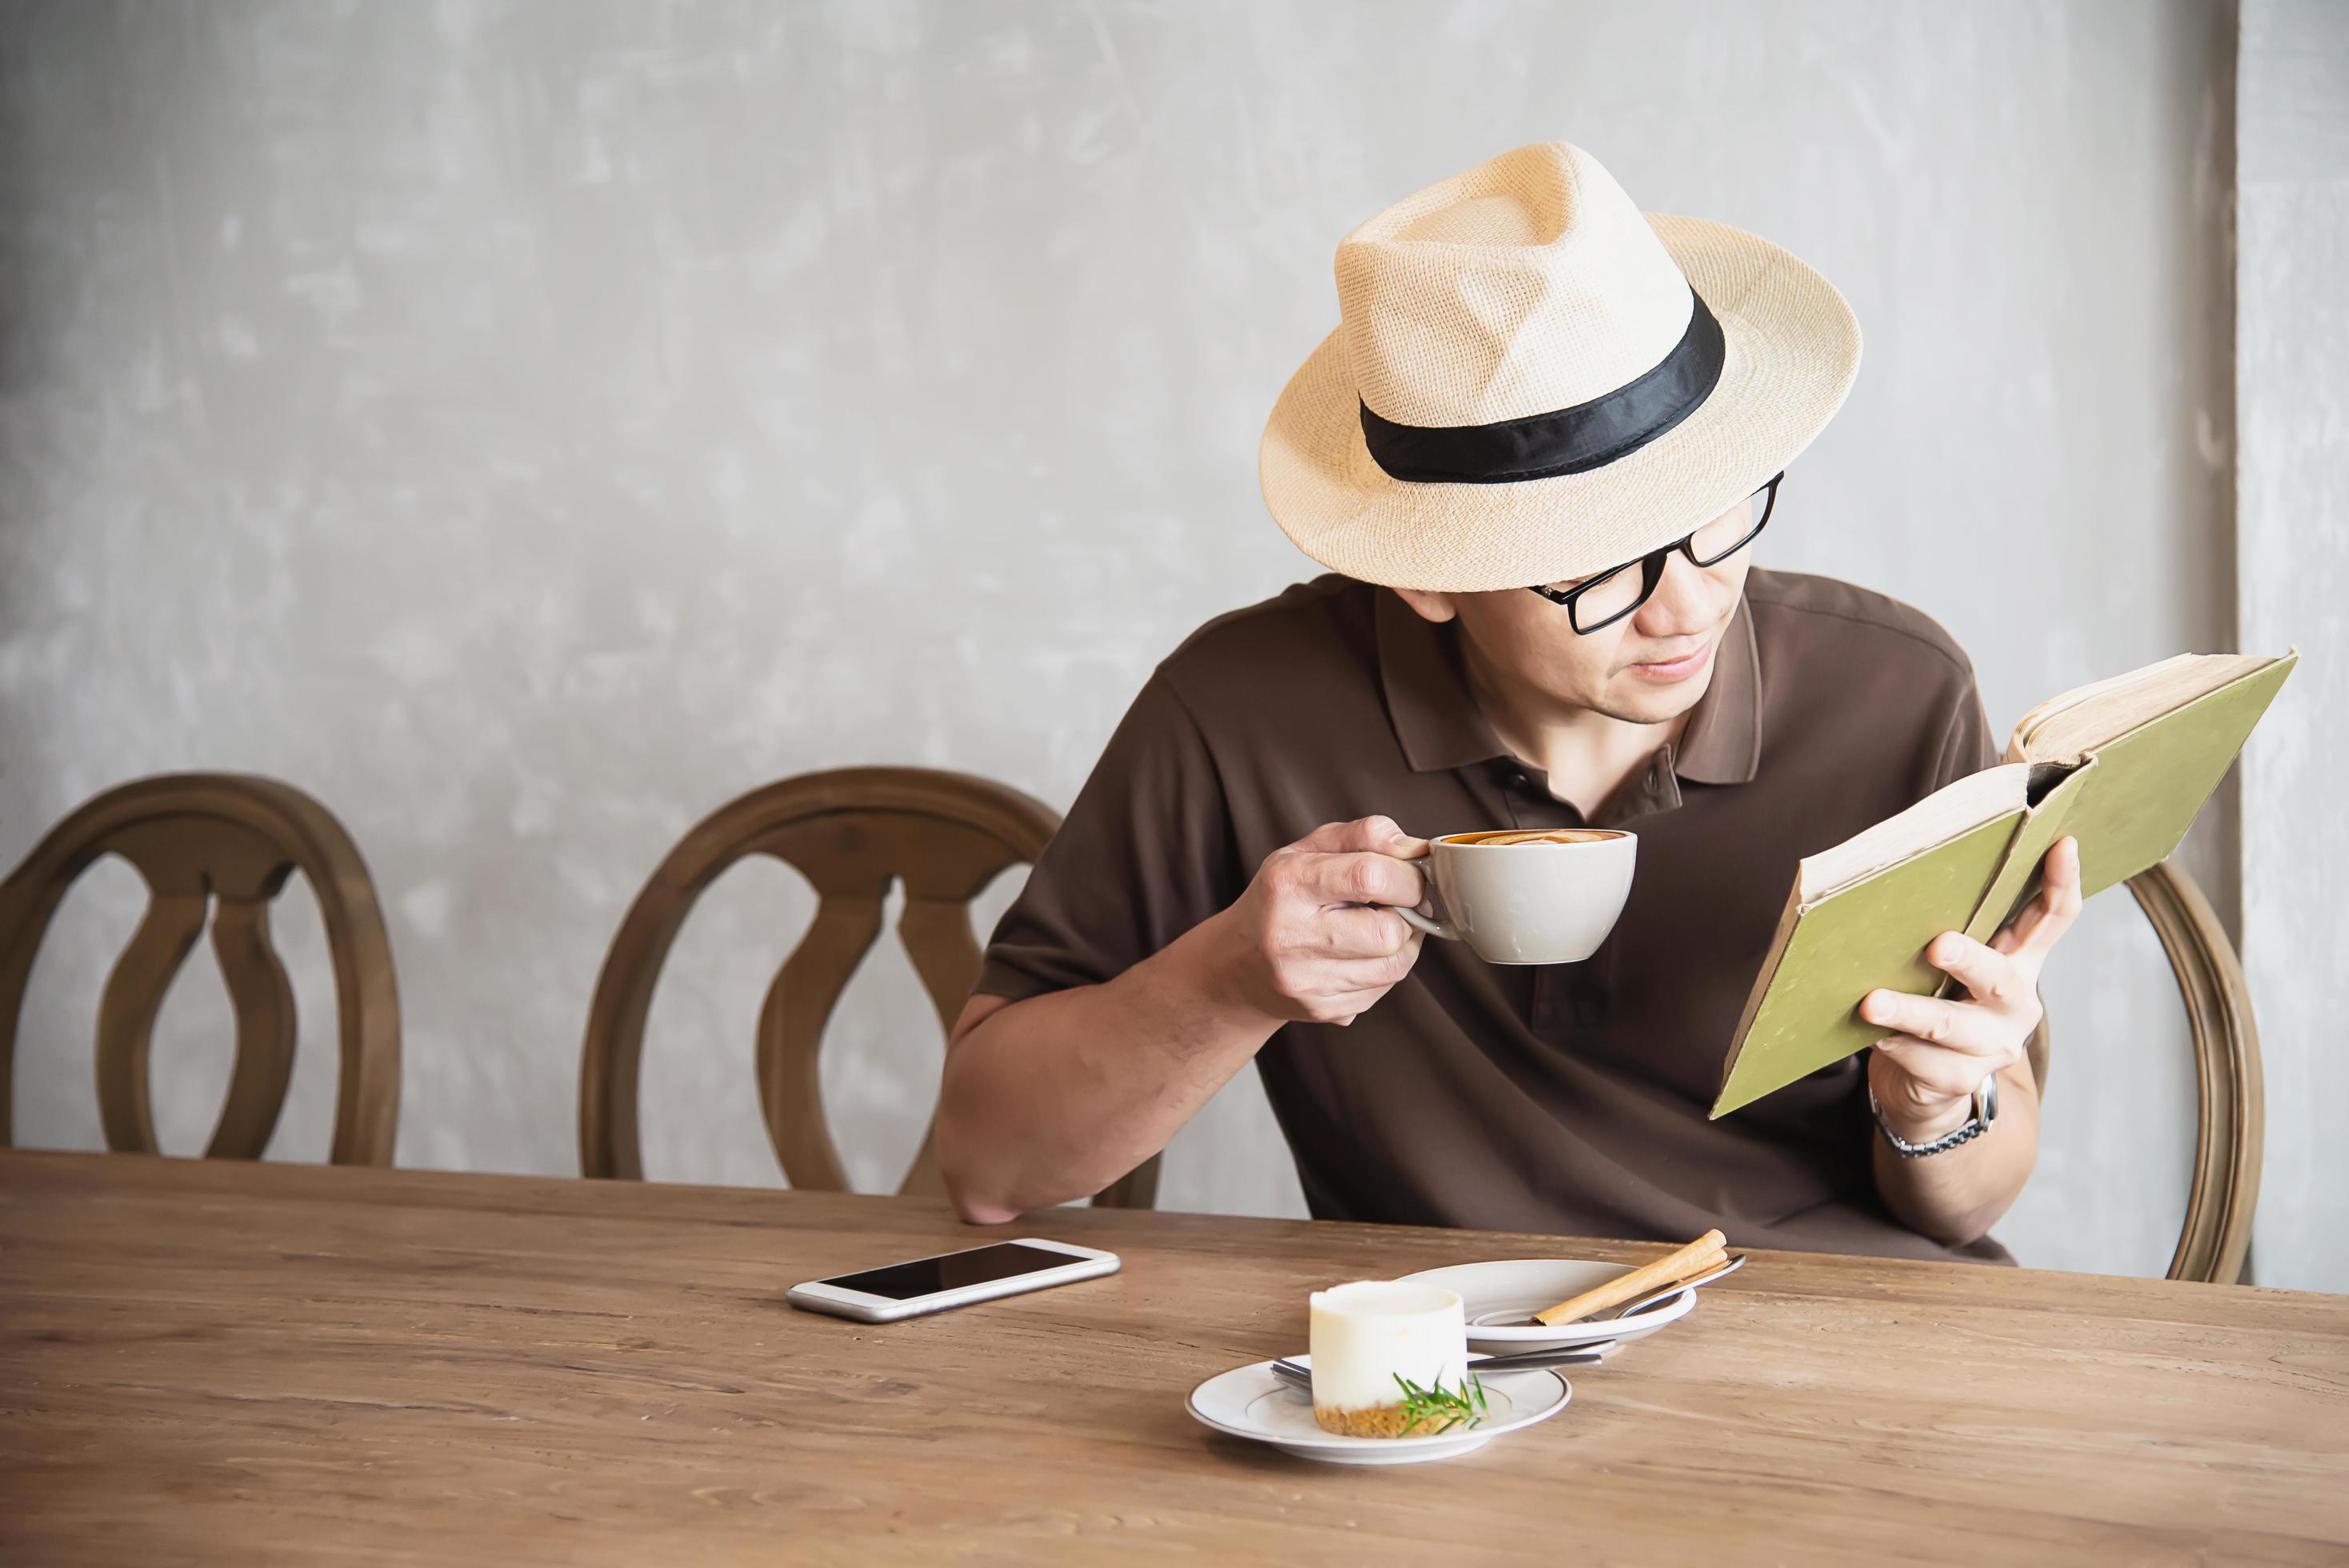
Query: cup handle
{"points": [[1437, 926]]}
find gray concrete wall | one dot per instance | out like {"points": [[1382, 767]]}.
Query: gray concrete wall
{"points": [[2292, 382], [526, 426]]}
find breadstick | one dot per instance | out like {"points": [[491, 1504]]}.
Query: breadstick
{"points": [[1695, 1258]]}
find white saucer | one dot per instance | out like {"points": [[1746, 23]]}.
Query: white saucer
{"points": [[1250, 1402], [1513, 1290]]}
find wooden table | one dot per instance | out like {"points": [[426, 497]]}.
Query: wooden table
{"points": [[224, 1361]]}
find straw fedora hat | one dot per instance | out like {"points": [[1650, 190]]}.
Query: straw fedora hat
{"points": [[1533, 381]]}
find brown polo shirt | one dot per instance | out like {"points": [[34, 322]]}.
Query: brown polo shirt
{"points": [[1567, 1098]]}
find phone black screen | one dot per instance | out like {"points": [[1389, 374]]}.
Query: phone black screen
{"points": [[927, 1276]]}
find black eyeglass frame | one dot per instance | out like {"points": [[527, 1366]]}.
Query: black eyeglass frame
{"points": [[1651, 567]]}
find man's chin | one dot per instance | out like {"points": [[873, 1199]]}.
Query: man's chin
{"points": [[1634, 699]]}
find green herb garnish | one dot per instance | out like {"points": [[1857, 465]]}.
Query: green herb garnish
{"points": [[1461, 1406]]}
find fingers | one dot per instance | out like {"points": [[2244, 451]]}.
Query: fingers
{"points": [[1968, 1028], [1366, 835], [1326, 879], [1941, 1049], [1991, 977], [2051, 912], [1324, 966], [1353, 932], [1322, 942], [1343, 1010], [1936, 1071], [1336, 992], [2058, 903], [2001, 1000], [1368, 860]]}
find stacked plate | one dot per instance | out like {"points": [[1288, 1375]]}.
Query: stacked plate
{"points": [[1251, 1402], [1499, 1296]]}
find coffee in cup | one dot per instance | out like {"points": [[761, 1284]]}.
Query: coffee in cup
{"points": [[1520, 895], [1533, 836]]}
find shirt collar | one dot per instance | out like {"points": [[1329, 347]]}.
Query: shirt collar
{"points": [[1440, 726], [1722, 742]]}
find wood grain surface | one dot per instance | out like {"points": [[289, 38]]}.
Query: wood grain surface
{"points": [[215, 1362]]}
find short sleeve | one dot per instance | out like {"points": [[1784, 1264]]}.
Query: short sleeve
{"points": [[1145, 855]]}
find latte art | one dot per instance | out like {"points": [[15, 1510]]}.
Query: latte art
{"points": [[1533, 836]]}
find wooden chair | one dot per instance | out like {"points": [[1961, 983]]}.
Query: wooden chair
{"points": [[216, 844], [2230, 1133], [852, 833]]}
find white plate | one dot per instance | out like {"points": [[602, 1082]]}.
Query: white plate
{"points": [[1250, 1402], [1513, 1290]]}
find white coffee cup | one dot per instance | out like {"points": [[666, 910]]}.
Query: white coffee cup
{"points": [[1543, 902]]}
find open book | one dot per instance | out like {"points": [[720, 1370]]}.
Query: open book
{"points": [[2123, 765]]}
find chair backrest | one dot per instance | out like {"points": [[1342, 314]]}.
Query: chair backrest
{"points": [[852, 833], [222, 845], [2230, 1126]]}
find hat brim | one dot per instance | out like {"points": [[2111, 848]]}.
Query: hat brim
{"points": [[1792, 352]]}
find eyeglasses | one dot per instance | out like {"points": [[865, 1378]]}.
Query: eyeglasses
{"points": [[1603, 600]]}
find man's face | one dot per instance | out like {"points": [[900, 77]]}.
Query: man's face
{"points": [[1651, 666]]}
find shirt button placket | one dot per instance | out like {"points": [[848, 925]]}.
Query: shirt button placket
{"points": [[1516, 785]]}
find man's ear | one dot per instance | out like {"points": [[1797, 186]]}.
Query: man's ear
{"points": [[1436, 607]]}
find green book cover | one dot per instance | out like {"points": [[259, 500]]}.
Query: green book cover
{"points": [[2128, 800], [2150, 784], [2017, 881], [1868, 933]]}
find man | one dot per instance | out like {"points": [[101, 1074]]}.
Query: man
{"points": [[1534, 386]]}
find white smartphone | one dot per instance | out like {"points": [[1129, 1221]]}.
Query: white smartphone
{"points": [[951, 1279]]}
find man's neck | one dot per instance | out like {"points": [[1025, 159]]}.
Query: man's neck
{"points": [[1586, 753]]}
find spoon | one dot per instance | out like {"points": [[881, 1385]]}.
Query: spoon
{"points": [[1643, 1303]]}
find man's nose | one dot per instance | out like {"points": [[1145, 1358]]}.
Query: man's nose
{"points": [[1686, 601]]}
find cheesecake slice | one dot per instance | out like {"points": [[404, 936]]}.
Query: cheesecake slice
{"points": [[1368, 1335]]}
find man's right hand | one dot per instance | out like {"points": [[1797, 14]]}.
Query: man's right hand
{"points": [[1300, 946]]}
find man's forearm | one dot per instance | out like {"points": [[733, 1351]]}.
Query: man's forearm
{"points": [[1056, 1097], [1956, 1196]]}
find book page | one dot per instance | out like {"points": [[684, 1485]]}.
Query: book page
{"points": [[1954, 809], [2019, 740], [2068, 727]]}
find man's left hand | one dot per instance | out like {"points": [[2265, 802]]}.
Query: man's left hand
{"points": [[1925, 1074]]}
